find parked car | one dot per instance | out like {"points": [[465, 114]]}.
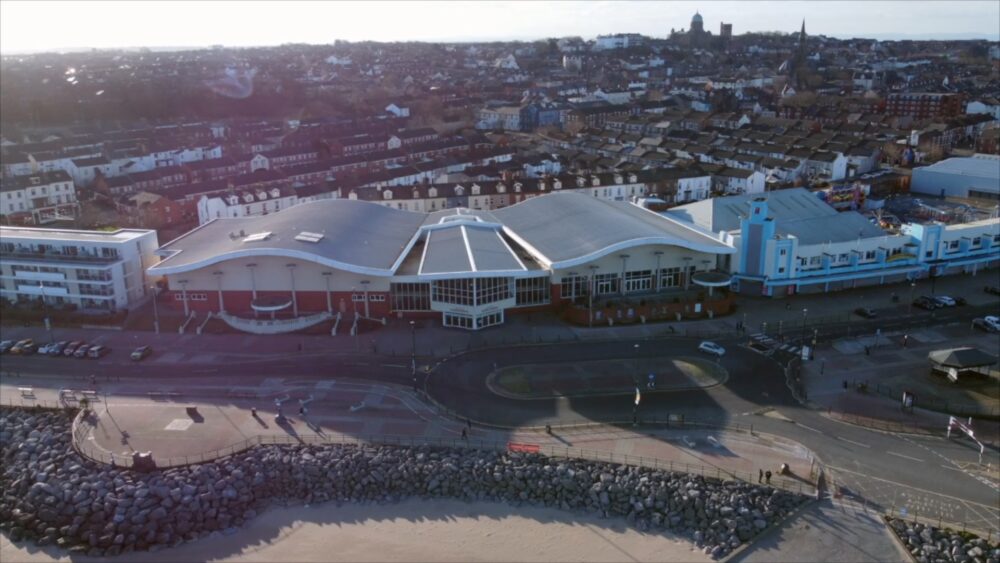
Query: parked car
{"points": [[987, 324], [44, 348], [72, 347], [140, 353], [944, 301], [98, 352], [81, 352], [712, 348], [865, 312], [960, 301], [26, 346], [992, 289], [56, 349], [925, 303], [5, 346]]}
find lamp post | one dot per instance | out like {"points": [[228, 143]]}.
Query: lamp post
{"points": [[635, 378], [184, 297], [804, 313], [621, 283], [913, 287], [687, 272], [156, 313], [45, 309]]}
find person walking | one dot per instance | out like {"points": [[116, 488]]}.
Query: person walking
{"points": [[468, 423], [767, 476], [465, 434], [760, 475]]}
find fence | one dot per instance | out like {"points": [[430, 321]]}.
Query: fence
{"points": [[933, 403], [985, 527]]}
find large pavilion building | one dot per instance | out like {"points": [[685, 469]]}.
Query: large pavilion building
{"points": [[312, 262]]}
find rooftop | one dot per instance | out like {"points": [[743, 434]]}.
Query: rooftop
{"points": [[71, 235]]}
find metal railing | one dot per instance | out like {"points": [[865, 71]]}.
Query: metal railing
{"points": [[86, 448]]}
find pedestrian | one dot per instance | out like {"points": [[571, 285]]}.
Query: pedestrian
{"points": [[468, 423], [767, 476], [465, 434], [760, 475], [302, 411], [253, 412], [868, 351], [788, 306], [905, 338]]}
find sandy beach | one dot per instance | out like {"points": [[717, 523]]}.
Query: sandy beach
{"points": [[415, 530]]}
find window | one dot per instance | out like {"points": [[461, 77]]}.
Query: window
{"points": [[670, 277], [379, 298], [953, 245], [410, 296], [783, 252], [638, 281], [488, 320], [605, 284], [460, 321], [571, 287], [358, 297], [843, 258], [532, 291]]}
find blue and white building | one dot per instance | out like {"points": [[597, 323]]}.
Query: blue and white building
{"points": [[790, 241]]}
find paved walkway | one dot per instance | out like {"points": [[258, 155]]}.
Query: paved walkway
{"points": [[347, 411], [830, 530], [890, 368]]}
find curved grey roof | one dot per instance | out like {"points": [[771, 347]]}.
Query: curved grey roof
{"points": [[357, 236], [566, 229], [558, 230]]}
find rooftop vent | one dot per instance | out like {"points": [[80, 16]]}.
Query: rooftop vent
{"points": [[306, 236], [257, 237]]}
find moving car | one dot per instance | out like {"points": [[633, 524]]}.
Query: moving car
{"points": [[81, 352], [865, 312], [987, 324], [992, 289], [944, 301], [712, 348], [925, 302], [26, 346], [72, 347], [5, 346], [98, 352], [140, 353]]}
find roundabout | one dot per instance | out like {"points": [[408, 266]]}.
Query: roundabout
{"points": [[605, 377]]}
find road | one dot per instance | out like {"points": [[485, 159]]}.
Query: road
{"points": [[922, 474]]}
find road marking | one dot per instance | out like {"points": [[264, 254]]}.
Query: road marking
{"points": [[905, 457], [394, 365], [853, 442], [952, 468], [808, 428], [905, 486]]}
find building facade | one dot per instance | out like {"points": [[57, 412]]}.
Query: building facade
{"points": [[37, 199], [965, 177], [790, 241], [469, 268], [85, 270]]}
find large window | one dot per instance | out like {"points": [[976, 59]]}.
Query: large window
{"points": [[532, 291], [606, 284], [491, 290], [458, 292], [571, 287], [460, 321], [489, 320], [670, 277], [641, 280], [410, 296]]}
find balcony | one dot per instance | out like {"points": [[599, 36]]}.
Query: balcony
{"points": [[25, 254]]}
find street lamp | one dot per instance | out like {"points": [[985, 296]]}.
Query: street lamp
{"points": [[590, 295], [913, 287], [635, 378], [804, 313], [45, 309]]}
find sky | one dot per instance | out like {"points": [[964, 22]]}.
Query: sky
{"points": [[31, 26]]}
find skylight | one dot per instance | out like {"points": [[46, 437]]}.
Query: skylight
{"points": [[257, 237], [306, 236]]}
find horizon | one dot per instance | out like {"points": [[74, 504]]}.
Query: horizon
{"points": [[357, 22]]}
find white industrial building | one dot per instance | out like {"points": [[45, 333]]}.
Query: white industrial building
{"points": [[970, 177]]}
